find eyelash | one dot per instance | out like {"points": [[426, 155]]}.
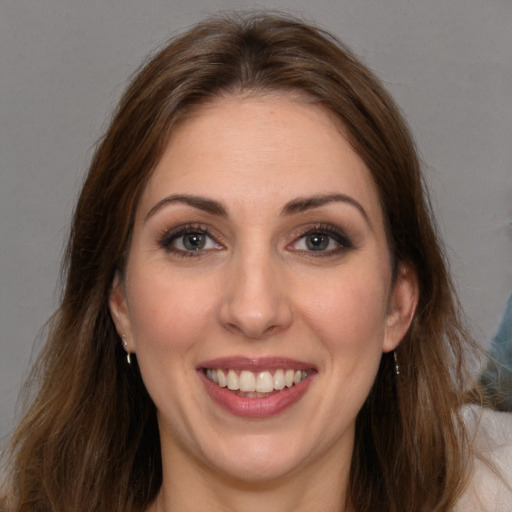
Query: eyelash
{"points": [[168, 238], [343, 242]]}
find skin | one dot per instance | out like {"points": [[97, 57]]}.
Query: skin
{"points": [[257, 289]]}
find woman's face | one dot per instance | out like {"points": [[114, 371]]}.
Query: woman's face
{"points": [[259, 261]]}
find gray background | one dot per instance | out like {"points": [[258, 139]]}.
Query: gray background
{"points": [[63, 65]]}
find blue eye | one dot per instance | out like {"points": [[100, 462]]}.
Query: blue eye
{"points": [[192, 241], [318, 242], [325, 240], [189, 240]]}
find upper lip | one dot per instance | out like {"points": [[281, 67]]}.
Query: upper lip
{"points": [[257, 364]]}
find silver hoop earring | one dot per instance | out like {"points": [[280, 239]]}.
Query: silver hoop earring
{"points": [[125, 346], [397, 366]]}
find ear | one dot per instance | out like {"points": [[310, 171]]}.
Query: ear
{"points": [[401, 308], [120, 312]]}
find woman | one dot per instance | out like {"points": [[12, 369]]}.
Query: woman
{"points": [[257, 311]]}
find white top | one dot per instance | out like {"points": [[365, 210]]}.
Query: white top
{"points": [[487, 492]]}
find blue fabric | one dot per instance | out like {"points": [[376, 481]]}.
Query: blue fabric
{"points": [[496, 379]]}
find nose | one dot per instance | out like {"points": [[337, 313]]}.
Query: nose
{"points": [[255, 301]]}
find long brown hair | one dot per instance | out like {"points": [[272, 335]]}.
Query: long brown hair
{"points": [[89, 440]]}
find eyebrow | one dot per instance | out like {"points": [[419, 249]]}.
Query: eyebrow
{"points": [[201, 203], [307, 203], [298, 205]]}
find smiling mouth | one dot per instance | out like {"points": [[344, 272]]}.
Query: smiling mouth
{"points": [[262, 384]]}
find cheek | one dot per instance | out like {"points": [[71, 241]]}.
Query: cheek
{"points": [[168, 313], [349, 311], [169, 320]]}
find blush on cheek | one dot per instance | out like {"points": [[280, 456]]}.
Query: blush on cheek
{"points": [[351, 309], [162, 315]]}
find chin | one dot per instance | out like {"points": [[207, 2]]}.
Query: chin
{"points": [[258, 460]]}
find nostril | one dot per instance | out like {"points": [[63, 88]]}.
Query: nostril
{"points": [[254, 330], [254, 305]]}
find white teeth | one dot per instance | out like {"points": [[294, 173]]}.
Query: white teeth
{"points": [[279, 382], [212, 375], [221, 378], [261, 382], [264, 382], [247, 381], [233, 383]]}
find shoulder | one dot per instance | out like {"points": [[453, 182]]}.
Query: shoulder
{"points": [[490, 487]]}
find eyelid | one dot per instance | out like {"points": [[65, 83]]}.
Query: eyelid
{"points": [[169, 235], [337, 234]]}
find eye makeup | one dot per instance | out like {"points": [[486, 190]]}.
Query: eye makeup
{"points": [[322, 240], [189, 240], [313, 240]]}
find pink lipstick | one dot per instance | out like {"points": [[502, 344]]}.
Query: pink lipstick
{"points": [[256, 388]]}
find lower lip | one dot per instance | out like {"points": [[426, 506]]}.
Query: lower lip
{"points": [[255, 407]]}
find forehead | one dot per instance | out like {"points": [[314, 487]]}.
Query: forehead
{"points": [[260, 149]]}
